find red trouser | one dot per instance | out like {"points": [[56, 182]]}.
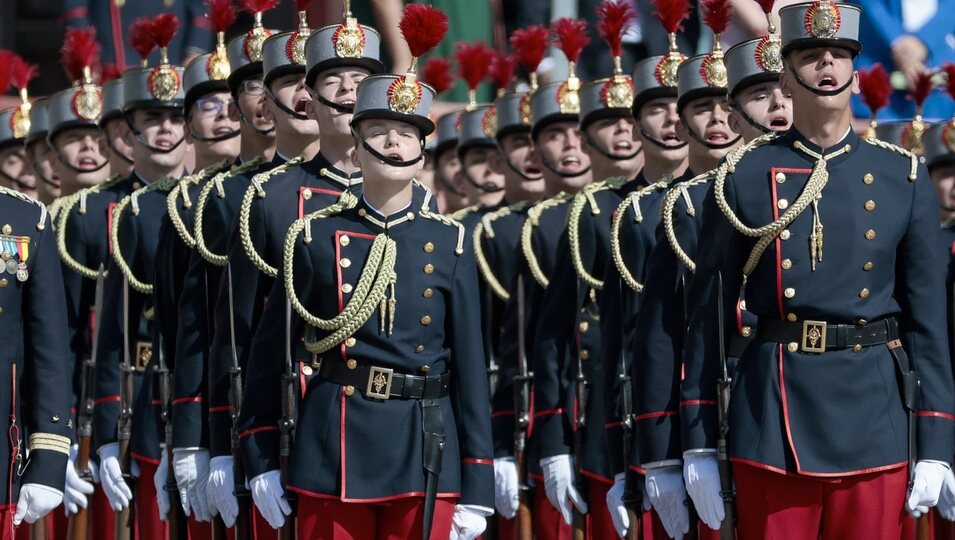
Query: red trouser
{"points": [[102, 517], [772, 505], [148, 524], [399, 519], [548, 523]]}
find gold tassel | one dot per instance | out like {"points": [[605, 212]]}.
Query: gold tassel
{"points": [[392, 305]]}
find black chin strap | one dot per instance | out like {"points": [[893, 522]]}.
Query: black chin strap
{"points": [[447, 185], [749, 119], [282, 106], [487, 188], [518, 172], [818, 91], [657, 142], [710, 145], [138, 135], [232, 134], [45, 180], [16, 182], [332, 105], [69, 166], [562, 174], [606, 153], [116, 151], [251, 125], [386, 159]]}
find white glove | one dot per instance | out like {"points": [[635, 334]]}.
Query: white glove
{"points": [[468, 521], [559, 485], [114, 486], [94, 470], [946, 498], [926, 486], [506, 488], [191, 468], [36, 501], [702, 476], [76, 489], [269, 498], [616, 506], [159, 480], [667, 493], [220, 490]]}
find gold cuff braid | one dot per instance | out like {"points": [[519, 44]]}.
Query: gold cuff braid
{"points": [[49, 441]]}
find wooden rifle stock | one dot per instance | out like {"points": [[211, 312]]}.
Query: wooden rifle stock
{"points": [[522, 381], [243, 521]]}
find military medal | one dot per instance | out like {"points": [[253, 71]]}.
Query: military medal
{"points": [[11, 266], [22, 273]]}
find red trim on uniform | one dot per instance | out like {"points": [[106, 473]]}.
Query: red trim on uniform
{"points": [[372, 500], [595, 476], [648, 416], [609, 425], [697, 402], [221, 408], [145, 459], [778, 241], [639, 470], [156, 402], [547, 412], [338, 269], [72, 410], [180, 401], [739, 315], [201, 22], [119, 44], [478, 461], [785, 403], [253, 431], [106, 399], [301, 200], [301, 379], [502, 413], [78, 12], [936, 414], [952, 249], [818, 475], [341, 428], [537, 477]]}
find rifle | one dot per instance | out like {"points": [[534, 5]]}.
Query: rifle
{"points": [[522, 406], [631, 501], [125, 517], [493, 369], [579, 524], [723, 387], [178, 527], [243, 526], [78, 526], [287, 423]]}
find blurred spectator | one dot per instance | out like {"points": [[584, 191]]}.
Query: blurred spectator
{"points": [[907, 36]]}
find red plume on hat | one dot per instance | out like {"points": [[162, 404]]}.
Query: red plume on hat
{"points": [[949, 69], [912, 136], [437, 74], [6, 58], [502, 71], [671, 14], [21, 73], [142, 39], [423, 27], [109, 72], [570, 36], [530, 46], [164, 26], [875, 88], [257, 7], [615, 19], [80, 54], [716, 14], [221, 15], [473, 60]]}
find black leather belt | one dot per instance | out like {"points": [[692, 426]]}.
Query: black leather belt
{"points": [[819, 336], [383, 383]]}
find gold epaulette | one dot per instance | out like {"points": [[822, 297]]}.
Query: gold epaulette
{"points": [[484, 230], [255, 189], [584, 197], [464, 212], [182, 190], [78, 198], [527, 244], [368, 295], [913, 159], [164, 184], [630, 202], [666, 214], [27, 199], [216, 183]]}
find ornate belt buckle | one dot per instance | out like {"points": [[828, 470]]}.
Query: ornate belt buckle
{"points": [[814, 336], [379, 382], [144, 355]]}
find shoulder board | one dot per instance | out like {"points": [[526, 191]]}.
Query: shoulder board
{"points": [[255, 188], [464, 212], [30, 200], [215, 183], [449, 221], [913, 159], [182, 191]]}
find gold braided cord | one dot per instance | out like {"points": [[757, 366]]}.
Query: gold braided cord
{"points": [[55, 208], [484, 266], [165, 184], [182, 190], [464, 212], [527, 243], [451, 222], [666, 214], [914, 160], [573, 226], [255, 188], [766, 234], [64, 215], [216, 182], [632, 200]]}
